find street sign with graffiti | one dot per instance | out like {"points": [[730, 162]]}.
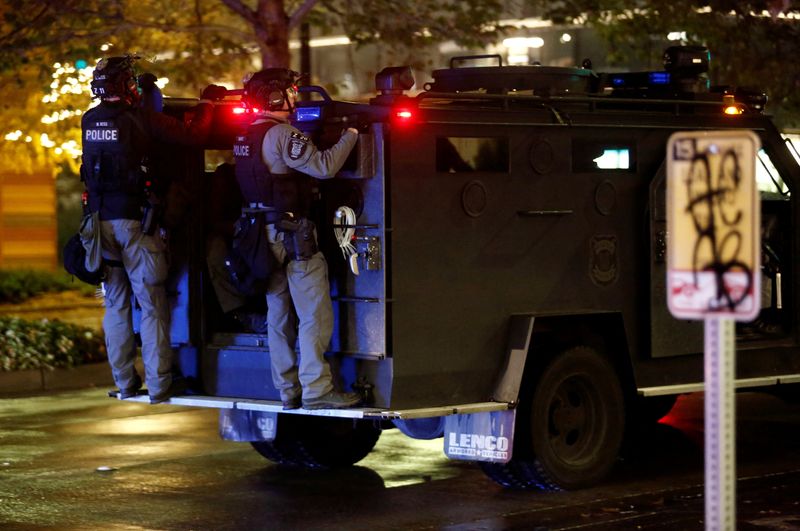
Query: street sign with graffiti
{"points": [[713, 224]]}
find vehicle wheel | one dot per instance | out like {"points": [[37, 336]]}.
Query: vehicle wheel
{"points": [[577, 419], [283, 450], [319, 442], [569, 432], [424, 428], [332, 442], [518, 474], [278, 452]]}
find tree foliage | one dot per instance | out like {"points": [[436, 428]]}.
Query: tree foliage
{"points": [[190, 43], [752, 42]]}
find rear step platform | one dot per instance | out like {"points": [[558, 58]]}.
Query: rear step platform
{"points": [[274, 406]]}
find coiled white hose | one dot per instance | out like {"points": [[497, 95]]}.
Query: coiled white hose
{"points": [[344, 229]]}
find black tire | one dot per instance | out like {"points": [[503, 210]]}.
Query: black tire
{"points": [[319, 442], [519, 474], [279, 452], [577, 419], [570, 430]]}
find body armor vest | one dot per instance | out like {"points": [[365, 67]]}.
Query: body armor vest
{"points": [[114, 147], [289, 192]]}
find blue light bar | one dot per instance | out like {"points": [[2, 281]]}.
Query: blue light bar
{"points": [[659, 78], [307, 114], [617, 81]]}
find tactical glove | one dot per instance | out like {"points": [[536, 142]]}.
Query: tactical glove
{"points": [[146, 81], [357, 122], [213, 93]]}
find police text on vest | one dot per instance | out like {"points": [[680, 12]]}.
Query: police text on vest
{"points": [[101, 135]]}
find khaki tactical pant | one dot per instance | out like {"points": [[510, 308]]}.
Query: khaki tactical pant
{"points": [[304, 283], [144, 272]]}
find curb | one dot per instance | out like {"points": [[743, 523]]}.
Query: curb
{"points": [[42, 381]]}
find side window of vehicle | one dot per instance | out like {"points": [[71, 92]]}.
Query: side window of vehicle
{"points": [[591, 155], [768, 179], [472, 154]]}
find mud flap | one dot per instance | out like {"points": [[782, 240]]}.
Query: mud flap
{"points": [[486, 436], [247, 426], [520, 332]]}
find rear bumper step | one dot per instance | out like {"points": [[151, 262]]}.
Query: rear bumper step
{"points": [[273, 406]]}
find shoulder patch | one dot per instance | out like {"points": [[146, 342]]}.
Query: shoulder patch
{"points": [[299, 136], [297, 146]]}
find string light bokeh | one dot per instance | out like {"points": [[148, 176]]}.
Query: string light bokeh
{"points": [[69, 96]]}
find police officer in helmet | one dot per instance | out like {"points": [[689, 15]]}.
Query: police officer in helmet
{"points": [[276, 166], [117, 136]]}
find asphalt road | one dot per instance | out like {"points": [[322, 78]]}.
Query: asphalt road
{"points": [[81, 461]]}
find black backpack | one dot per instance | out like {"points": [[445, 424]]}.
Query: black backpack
{"points": [[250, 260], [75, 262]]}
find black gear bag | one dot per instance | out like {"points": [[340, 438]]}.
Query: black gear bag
{"points": [[250, 260], [75, 262]]}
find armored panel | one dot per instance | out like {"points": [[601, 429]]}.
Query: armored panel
{"points": [[490, 236], [237, 371], [359, 287], [668, 336]]}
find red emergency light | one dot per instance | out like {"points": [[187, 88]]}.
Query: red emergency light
{"points": [[245, 110], [403, 116]]}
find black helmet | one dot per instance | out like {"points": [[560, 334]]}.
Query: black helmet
{"points": [[268, 87], [115, 77]]}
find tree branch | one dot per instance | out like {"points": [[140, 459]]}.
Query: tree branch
{"points": [[207, 28], [67, 36], [297, 17], [333, 8], [242, 10], [60, 38], [36, 17]]}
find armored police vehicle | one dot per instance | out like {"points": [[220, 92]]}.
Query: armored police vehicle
{"points": [[496, 247]]}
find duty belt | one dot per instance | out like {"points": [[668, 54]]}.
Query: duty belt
{"points": [[271, 215]]}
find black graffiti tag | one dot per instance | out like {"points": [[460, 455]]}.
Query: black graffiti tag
{"points": [[712, 184]]}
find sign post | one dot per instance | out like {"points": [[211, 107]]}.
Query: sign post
{"points": [[713, 273]]}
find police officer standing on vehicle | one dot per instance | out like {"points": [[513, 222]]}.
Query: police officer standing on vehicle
{"points": [[276, 166], [118, 135]]}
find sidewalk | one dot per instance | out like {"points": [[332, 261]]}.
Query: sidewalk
{"points": [[36, 381]]}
